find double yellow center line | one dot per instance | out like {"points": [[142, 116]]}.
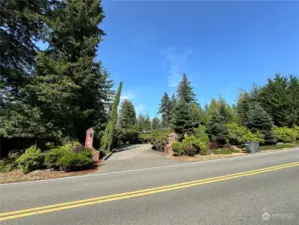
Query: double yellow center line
{"points": [[126, 195]]}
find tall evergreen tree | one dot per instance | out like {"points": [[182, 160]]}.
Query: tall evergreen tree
{"points": [[172, 102], [279, 97], [20, 26], [70, 88], [165, 110], [140, 122], [185, 90], [212, 108], [156, 123], [127, 116], [147, 123], [182, 121], [199, 116], [258, 118], [107, 139]]}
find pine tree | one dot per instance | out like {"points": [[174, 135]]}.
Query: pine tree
{"points": [[72, 90], [216, 129], [147, 123], [242, 108], [182, 121], [140, 122], [127, 117], [199, 116], [259, 120], [155, 123], [185, 90], [20, 26], [107, 139], [212, 108], [165, 110], [279, 97]]}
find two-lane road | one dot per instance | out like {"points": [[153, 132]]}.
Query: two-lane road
{"points": [[256, 189]]}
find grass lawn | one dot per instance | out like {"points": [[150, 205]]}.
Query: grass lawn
{"points": [[274, 147], [224, 151]]}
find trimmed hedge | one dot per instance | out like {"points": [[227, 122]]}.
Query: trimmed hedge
{"points": [[72, 161]]}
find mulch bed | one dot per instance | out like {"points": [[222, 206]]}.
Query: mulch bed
{"points": [[18, 176]]}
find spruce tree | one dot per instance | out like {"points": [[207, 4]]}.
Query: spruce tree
{"points": [[216, 129], [259, 120], [155, 123], [20, 26], [185, 90], [182, 121], [107, 139], [127, 115], [147, 123], [140, 122], [70, 88], [165, 110]]}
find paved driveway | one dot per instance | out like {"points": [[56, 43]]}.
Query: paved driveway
{"points": [[135, 157]]}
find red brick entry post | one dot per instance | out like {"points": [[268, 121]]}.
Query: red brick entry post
{"points": [[89, 145]]}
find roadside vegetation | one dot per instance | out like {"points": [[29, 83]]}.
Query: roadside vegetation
{"points": [[50, 97]]}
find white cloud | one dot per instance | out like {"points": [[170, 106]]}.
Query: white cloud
{"points": [[175, 62], [127, 95]]}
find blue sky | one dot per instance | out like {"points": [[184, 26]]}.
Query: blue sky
{"points": [[222, 46]]}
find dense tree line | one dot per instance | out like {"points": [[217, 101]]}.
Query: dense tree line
{"points": [[255, 116], [63, 90]]}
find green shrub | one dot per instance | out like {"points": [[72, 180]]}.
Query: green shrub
{"points": [[86, 153], [128, 135], [53, 156], [237, 134], [159, 138], [196, 142], [9, 163], [200, 133], [204, 152], [190, 150], [73, 161], [285, 134], [177, 148], [144, 138], [296, 128], [31, 160]]}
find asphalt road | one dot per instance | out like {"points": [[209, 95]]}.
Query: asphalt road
{"points": [[193, 193]]}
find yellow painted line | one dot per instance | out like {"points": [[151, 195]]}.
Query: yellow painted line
{"points": [[138, 191], [92, 201]]}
